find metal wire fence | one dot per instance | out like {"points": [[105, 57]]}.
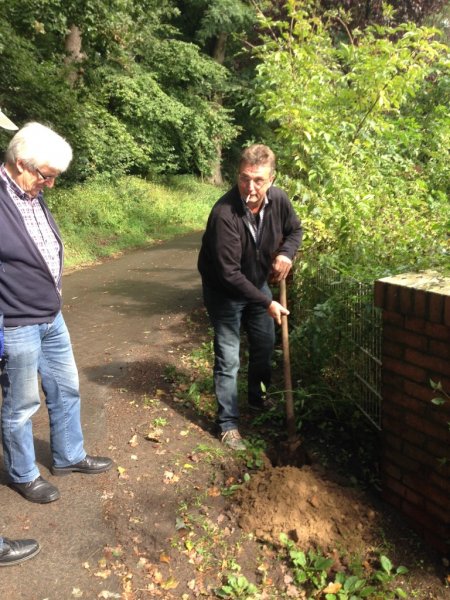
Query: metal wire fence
{"points": [[339, 338]]}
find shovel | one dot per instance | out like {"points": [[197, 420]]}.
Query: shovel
{"points": [[293, 441]]}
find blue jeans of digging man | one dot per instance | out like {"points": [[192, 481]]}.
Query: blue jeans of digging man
{"points": [[226, 316], [46, 350]]}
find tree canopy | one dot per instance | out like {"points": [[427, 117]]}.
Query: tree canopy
{"points": [[117, 78]]}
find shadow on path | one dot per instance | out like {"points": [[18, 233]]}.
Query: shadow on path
{"points": [[116, 312]]}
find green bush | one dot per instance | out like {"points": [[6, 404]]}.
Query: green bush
{"points": [[361, 128]]}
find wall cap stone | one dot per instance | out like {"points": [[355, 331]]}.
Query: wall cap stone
{"points": [[429, 281]]}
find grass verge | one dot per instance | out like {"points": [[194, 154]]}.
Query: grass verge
{"points": [[101, 217]]}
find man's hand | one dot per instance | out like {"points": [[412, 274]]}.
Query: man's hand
{"points": [[280, 268], [276, 310]]}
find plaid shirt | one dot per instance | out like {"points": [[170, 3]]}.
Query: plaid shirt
{"points": [[36, 224]]}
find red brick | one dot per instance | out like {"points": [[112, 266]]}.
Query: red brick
{"points": [[392, 298], [427, 427], [419, 516], [438, 332], [405, 463], [415, 405], [439, 349], [409, 371], [414, 437], [438, 449], [419, 455], [441, 500], [392, 349], [394, 318], [426, 361], [439, 430], [391, 441], [422, 392], [447, 311], [436, 308], [392, 379], [402, 336], [391, 411], [439, 512], [441, 481], [420, 303], [407, 300], [393, 471], [417, 481], [395, 486], [391, 497], [415, 324], [414, 497]]}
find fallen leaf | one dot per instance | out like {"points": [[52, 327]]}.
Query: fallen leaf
{"points": [[133, 457], [134, 441], [106, 594], [142, 562], [103, 574], [214, 491], [164, 558], [170, 584], [77, 593], [332, 588], [157, 576], [154, 435], [121, 471], [184, 433], [191, 584]]}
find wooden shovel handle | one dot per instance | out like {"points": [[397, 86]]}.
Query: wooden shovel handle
{"points": [[290, 416]]}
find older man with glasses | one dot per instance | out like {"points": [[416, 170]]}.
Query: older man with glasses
{"points": [[13, 552], [36, 339], [252, 235]]}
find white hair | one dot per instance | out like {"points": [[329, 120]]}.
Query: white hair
{"points": [[37, 145]]}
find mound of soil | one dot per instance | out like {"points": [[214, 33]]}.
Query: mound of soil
{"points": [[311, 509]]}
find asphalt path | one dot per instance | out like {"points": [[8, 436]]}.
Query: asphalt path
{"points": [[115, 311]]}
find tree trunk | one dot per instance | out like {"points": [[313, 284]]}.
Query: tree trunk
{"points": [[219, 56], [72, 46]]}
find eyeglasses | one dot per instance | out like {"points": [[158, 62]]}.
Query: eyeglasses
{"points": [[258, 182], [45, 177]]}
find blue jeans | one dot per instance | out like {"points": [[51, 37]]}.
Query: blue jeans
{"points": [[226, 316], [29, 350]]}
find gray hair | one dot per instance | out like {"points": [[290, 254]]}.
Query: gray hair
{"points": [[37, 145], [258, 154]]}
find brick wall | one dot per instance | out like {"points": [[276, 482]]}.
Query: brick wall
{"points": [[415, 466]]}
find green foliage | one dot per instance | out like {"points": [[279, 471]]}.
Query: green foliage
{"points": [[135, 100], [314, 573], [364, 145], [237, 586]]}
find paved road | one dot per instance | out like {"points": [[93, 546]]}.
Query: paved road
{"points": [[114, 311]]}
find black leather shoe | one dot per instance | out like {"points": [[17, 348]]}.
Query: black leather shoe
{"points": [[17, 551], [90, 465], [39, 490]]}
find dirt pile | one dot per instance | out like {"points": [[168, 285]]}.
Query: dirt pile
{"points": [[311, 509]]}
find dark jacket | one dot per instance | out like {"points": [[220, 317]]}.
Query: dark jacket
{"points": [[229, 261], [28, 292]]}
